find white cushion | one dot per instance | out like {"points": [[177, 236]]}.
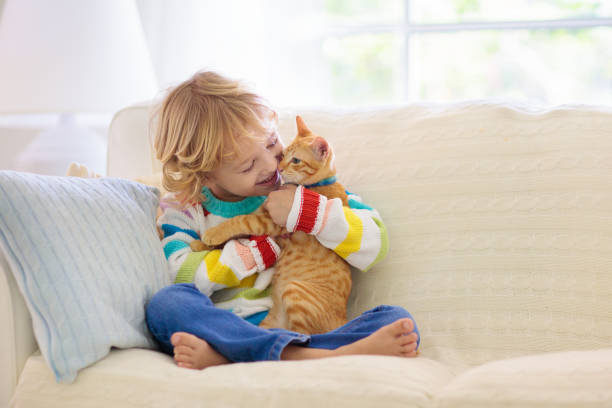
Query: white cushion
{"points": [[145, 378], [87, 258], [130, 150], [570, 379]]}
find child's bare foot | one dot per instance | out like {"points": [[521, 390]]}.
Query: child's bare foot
{"points": [[395, 339], [193, 352]]}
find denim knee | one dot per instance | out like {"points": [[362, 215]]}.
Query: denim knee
{"points": [[395, 311], [170, 300]]}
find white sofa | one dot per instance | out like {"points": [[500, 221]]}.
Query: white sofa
{"points": [[500, 225]]}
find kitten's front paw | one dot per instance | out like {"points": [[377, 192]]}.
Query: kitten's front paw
{"points": [[215, 236], [198, 246]]}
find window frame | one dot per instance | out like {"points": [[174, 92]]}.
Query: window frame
{"points": [[406, 28]]}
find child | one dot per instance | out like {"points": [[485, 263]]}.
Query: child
{"points": [[220, 150]]}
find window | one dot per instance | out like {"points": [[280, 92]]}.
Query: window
{"points": [[352, 53], [543, 51]]}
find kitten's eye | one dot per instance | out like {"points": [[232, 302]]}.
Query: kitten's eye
{"points": [[295, 160]]}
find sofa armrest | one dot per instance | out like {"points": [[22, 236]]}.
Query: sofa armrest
{"points": [[17, 340]]}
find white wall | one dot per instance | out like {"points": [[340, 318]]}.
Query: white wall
{"points": [[13, 141], [272, 45], [17, 131], [15, 137]]}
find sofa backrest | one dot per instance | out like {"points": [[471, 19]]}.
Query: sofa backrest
{"points": [[499, 219]]}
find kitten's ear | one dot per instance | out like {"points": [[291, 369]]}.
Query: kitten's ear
{"points": [[320, 148], [301, 126]]}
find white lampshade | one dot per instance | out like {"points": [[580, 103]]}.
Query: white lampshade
{"points": [[72, 56]]}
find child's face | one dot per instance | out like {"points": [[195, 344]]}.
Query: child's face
{"points": [[252, 172]]}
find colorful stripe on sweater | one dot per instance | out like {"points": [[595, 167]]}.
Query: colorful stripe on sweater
{"points": [[240, 273], [356, 233]]}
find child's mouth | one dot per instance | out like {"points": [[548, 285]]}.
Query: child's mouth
{"points": [[271, 181]]}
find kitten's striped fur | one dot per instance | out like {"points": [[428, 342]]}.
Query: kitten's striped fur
{"points": [[311, 285]]}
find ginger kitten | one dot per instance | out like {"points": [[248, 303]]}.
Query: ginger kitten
{"points": [[311, 285]]}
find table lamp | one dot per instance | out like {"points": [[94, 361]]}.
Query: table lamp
{"points": [[71, 57]]}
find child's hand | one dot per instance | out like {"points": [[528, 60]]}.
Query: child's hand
{"points": [[279, 203]]}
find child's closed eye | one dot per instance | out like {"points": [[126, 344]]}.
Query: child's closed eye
{"points": [[249, 168], [272, 143]]}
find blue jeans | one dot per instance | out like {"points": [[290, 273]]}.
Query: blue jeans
{"points": [[183, 308]]}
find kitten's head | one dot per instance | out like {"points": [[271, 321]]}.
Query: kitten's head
{"points": [[308, 159]]}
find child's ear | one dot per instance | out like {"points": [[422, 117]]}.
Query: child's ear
{"points": [[320, 148], [207, 180], [301, 127]]}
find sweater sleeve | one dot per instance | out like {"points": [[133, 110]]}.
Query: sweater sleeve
{"points": [[356, 233], [236, 264]]}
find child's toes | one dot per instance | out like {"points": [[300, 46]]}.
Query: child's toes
{"points": [[408, 348], [183, 357], [410, 354], [183, 354], [184, 339], [408, 325], [400, 327], [409, 338], [176, 338], [186, 350]]}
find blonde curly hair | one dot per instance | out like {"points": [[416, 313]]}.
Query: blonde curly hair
{"points": [[199, 123]]}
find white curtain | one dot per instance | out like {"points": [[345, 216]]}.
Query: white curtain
{"points": [[273, 45], [357, 53]]}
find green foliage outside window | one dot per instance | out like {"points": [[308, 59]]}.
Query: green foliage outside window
{"points": [[539, 65]]}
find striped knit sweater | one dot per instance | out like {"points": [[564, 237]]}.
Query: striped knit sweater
{"points": [[237, 277]]}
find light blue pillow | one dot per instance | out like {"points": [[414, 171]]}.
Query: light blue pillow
{"points": [[87, 258]]}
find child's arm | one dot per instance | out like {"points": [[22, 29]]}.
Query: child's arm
{"points": [[356, 232], [234, 265]]}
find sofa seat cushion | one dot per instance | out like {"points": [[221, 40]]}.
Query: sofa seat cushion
{"points": [[146, 378], [566, 379]]}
